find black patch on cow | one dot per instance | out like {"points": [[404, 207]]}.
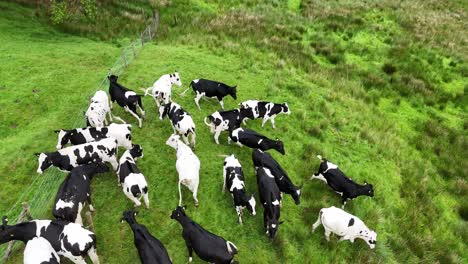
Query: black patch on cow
{"points": [[145, 189], [351, 222], [136, 191]]}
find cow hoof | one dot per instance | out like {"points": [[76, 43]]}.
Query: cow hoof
{"points": [[196, 204]]}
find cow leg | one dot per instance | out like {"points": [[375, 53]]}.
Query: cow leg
{"points": [[190, 250], [90, 203], [146, 199], [239, 214], [345, 237], [180, 194], [281, 201], [229, 140], [265, 119], [77, 260], [343, 200], [185, 138], [272, 119], [78, 219], [114, 163], [156, 101], [317, 223], [221, 103], [197, 99], [327, 234], [195, 190], [93, 255], [216, 135], [134, 114], [193, 139], [142, 111], [239, 144]]}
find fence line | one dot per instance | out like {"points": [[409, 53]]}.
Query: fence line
{"points": [[40, 193]]}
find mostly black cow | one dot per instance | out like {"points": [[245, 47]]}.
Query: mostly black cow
{"points": [[75, 192], [104, 150], [234, 179], [121, 132], [337, 180], [226, 121], [208, 246], [67, 239], [212, 89], [150, 249], [270, 197], [264, 159], [255, 140], [265, 110], [126, 98]]}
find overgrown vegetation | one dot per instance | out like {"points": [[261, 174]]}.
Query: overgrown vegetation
{"points": [[378, 87]]}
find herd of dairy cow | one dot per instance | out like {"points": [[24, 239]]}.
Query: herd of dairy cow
{"points": [[98, 143]]}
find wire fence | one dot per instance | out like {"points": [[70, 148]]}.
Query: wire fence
{"points": [[41, 192]]}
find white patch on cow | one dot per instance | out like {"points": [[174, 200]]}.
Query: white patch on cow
{"points": [[330, 166], [235, 134], [39, 250], [62, 204], [77, 235], [60, 136], [84, 177], [273, 225], [252, 204], [237, 184], [260, 141], [275, 202], [196, 81], [41, 160], [129, 93], [268, 173], [40, 224], [298, 192]]}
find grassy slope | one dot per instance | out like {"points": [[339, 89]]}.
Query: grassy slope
{"points": [[376, 127]]}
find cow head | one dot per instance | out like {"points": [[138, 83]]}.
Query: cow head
{"points": [[112, 78], [251, 204], [233, 92], [178, 213], [100, 167], [136, 151], [368, 189], [44, 162], [173, 141], [296, 195], [279, 146], [286, 108], [272, 226], [164, 110], [246, 113], [63, 138], [369, 236], [129, 217], [175, 78]]}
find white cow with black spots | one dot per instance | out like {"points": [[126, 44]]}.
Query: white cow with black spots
{"points": [[162, 89], [187, 165], [39, 251], [345, 225], [133, 182], [265, 110]]}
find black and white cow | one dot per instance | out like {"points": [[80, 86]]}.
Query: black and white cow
{"points": [[75, 192], [67, 239], [264, 159], [150, 249], [121, 132], [162, 88], [234, 179], [270, 197], [265, 110], [104, 150], [39, 251], [182, 123], [208, 246], [126, 98], [226, 121], [133, 182], [337, 180], [345, 225], [252, 139], [96, 115], [212, 89]]}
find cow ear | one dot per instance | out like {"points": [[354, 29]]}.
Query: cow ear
{"points": [[365, 182], [135, 213], [37, 154], [4, 222], [57, 131]]}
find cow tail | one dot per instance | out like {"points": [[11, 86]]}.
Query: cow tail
{"points": [[231, 248], [204, 120], [146, 90]]}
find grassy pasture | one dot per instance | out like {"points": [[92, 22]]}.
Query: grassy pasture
{"points": [[366, 90]]}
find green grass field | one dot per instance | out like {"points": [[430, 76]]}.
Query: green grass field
{"points": [[376, 87]]}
